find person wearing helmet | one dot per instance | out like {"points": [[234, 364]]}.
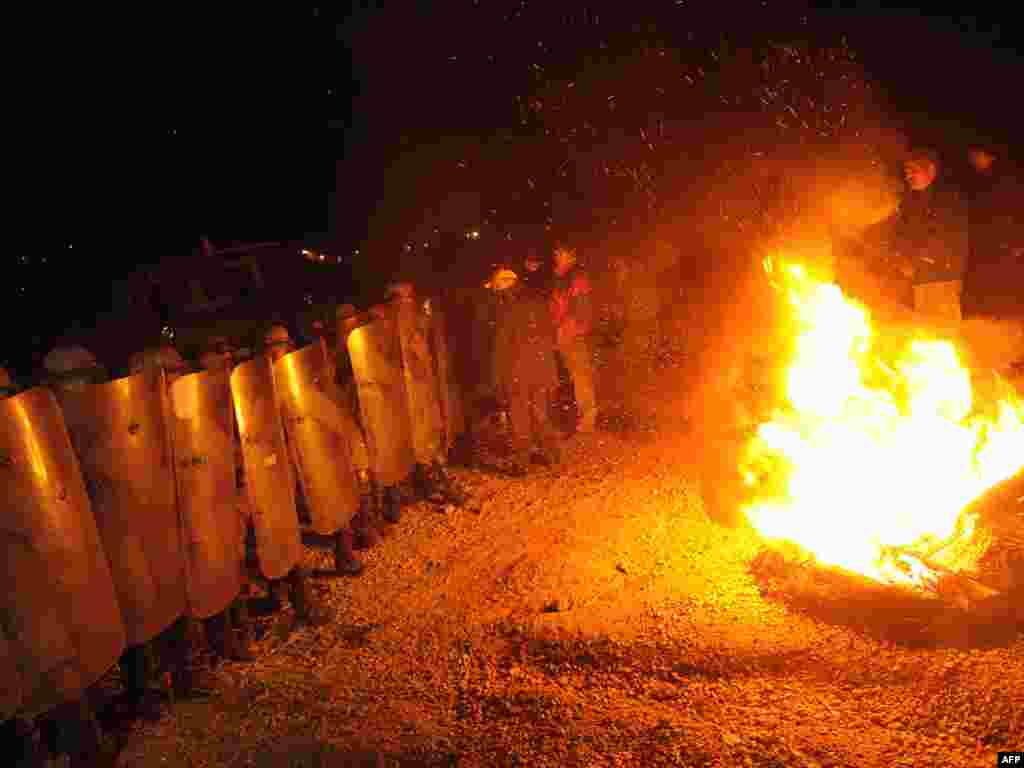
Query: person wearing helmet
{"points": [[431, 477], [524, 367], [165, 357], [572, 312], [277, 343], [7, 386], [364, 533], [230, 631], [182, 641], [72, 367], [217, 354]]}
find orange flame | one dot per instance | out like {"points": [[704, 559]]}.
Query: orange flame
{"points": [[872, 449]]}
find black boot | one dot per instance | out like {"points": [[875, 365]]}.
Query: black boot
{"points": [[77, 734], [191, 674], [240, 629], [390, 504], [422, 483], [18, 738], [447, 486], [140, 701], [345, 562], [307, 608], [364, 536]]}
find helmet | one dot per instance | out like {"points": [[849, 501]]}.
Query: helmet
{"points": [[501, 279], [379, 311], [7, 387], [403, 291], [277, 334], [61, 360], [217, 354], [165, 357]]}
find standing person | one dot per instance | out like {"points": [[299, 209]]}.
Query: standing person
{"points": [[572, 312], [996, 226], [364, 533], [930, 238], [534, 273], [524, 367], [432, 478], [278, 343]]}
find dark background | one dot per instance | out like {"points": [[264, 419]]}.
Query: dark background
{"points": [[137, 134]]}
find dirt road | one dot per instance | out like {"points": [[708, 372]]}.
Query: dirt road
{"points": [[593, 617]]}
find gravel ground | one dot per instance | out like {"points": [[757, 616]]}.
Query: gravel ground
{"points": [[590, 617]]}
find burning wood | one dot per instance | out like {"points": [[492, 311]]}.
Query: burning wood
{"points": [[879, 447]]}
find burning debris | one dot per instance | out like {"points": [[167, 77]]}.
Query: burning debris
{"points": [[882, 469]]}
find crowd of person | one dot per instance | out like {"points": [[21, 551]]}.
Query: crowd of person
{"points": [[942, 235]]}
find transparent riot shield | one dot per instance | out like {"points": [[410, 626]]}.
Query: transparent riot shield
{"points": [[269, 482], [414, 333], [376, 357], [59, 615], [119, 431], [202, 432], [320, 430]]}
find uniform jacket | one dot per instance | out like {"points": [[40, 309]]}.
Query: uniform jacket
{"points": [[524, 342], [930, 230], [996, 217], [572, 305]]}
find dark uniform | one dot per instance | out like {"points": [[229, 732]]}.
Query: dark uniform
{"points": [[930, 233], [996, 238], [524, 370]]}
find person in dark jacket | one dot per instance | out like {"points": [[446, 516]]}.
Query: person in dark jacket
{"points": [[996, 227], [930, 238], [524, 367]]}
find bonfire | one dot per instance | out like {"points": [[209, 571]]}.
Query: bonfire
{"points": [[880, 445]]}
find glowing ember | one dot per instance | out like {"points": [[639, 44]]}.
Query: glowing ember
{"points": [[873, 449]]}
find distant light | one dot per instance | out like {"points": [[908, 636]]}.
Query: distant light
{"points": [[70, 245], [355, 252], [306, 252], [473, 234]]}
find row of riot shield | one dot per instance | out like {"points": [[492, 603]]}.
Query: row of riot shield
{"points": [[408, 396], [60, 625], [121, 511]]}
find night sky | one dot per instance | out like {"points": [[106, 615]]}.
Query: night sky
{"points": [[158, 129]]}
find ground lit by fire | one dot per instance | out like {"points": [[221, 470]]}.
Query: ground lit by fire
{"points": [[877, 446]]}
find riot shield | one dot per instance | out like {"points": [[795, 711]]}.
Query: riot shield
{"points": [[451, 399], [320, 431], [61, 624], [377, 366], [119, 430], [269, 483], [420, 382], [202, 431]]}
